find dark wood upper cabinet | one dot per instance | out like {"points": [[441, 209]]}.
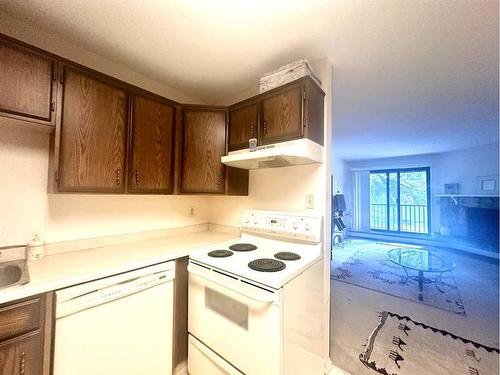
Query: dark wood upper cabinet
{"points": [[203, 145], [152, 146], [313, 111], [236, 181], [282, 115], [292, 111], [113, 137], [26, 80], [93, 130], [243, 125]]}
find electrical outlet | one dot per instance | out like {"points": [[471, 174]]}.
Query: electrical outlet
{"points": [[191, 211], [309, 201]]}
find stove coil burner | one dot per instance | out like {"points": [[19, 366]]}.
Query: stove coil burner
{"points": [[220, 253], [243, 247], [287, 255], [267, 265]]}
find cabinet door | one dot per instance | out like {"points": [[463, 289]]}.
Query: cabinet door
{"points": [[203, 145], [151, 167], [22, 355], [242, 126], [26, 80], [92, 134], [282, 115]]}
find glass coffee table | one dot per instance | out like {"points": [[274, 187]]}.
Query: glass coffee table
{"points": [[422, 261]]}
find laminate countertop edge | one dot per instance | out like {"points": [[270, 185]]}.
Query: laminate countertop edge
{"points": [[62, 270]]}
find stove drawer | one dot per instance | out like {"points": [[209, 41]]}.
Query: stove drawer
{"points": [[238, 321], [202, 361]]}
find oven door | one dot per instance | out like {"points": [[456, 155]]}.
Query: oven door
{"points": [[238, 321]]}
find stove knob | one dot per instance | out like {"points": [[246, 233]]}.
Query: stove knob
{"points": [[247, 220], [255, 222], [307, 227], [295, 225]]}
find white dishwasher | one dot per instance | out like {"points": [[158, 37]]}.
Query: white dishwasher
{"points": [[117, 325]]}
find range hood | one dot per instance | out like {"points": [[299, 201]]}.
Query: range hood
{"points": [[283, 154]]}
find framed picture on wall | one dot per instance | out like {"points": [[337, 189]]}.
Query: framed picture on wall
{"points": [[487, 185], [451, 189]]}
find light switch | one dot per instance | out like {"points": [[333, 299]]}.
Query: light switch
{"points": [[309, 201]]}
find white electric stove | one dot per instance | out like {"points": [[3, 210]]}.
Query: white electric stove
{"points": [[259, 294]]}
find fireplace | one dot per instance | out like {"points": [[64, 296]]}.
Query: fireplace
{"points": [[472, 221]]}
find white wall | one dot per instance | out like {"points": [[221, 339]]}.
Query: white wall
{"points": [[465, 166], [340, 170], [26, 207], [340, 173], [462, 167], [280, 189]]}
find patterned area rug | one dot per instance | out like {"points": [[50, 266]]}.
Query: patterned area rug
{"points": [[401, 346], [369, 268]]}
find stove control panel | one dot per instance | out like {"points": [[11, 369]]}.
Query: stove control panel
{"points": [[282, 224]]}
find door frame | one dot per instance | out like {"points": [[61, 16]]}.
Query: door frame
{"points": [[428, 187]]}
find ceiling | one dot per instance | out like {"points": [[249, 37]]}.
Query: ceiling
{"points": [[410, 77]]}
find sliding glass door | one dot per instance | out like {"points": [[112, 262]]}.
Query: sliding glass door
{"points": [[400, 200]]}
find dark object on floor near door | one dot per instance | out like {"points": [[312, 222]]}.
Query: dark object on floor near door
{"points": [[339, 223], [339, 203]]}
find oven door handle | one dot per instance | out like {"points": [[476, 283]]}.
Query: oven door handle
{"points": [[263, 297]]}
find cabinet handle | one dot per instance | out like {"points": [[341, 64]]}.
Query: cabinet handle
{"points": [[252, 130], [22, 363], [265, 127], [118, 176], [137, 177], [219, 181]]}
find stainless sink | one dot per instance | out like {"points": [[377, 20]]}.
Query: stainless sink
{"points": [[13, 273]]}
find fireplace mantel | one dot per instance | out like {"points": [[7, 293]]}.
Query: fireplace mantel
{"points": [[466, 196]]}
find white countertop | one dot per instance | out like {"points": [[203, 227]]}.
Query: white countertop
{"points": [[70, 268]]}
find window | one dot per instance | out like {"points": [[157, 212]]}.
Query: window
{"points": [[400, 200]]}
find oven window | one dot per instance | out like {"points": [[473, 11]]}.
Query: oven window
{"points": [[229, 308]]}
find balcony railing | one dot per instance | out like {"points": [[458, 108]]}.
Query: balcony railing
{"points": [[413, 218]]}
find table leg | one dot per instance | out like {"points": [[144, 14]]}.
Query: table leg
{"points": [[407, 276], [420, 285], [436, 280]]}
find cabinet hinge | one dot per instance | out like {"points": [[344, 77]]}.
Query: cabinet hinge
{"points": [[52, 106], [56, 175]]}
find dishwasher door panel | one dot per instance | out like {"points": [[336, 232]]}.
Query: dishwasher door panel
{"points": [[128, 336]]}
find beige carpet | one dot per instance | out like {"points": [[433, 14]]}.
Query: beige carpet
{"points": [[355, 310], [369, 268]]}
